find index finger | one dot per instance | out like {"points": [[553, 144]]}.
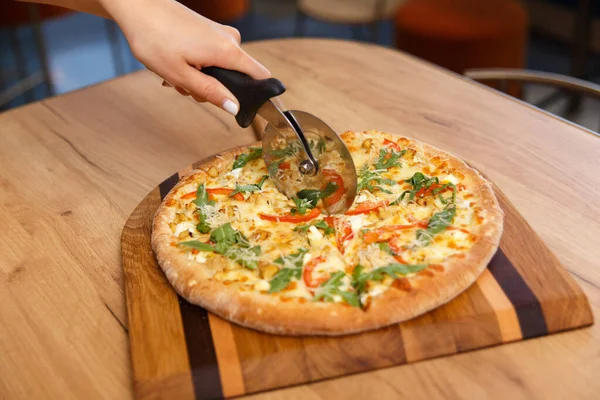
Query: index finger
{"points": [[238, 60]]}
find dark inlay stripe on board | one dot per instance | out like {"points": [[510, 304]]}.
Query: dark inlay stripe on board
{"points": [[201, 350], [198, 338], [528, 309], [167, 185]]}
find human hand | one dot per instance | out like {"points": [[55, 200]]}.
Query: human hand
{"points": [[175, 43]]}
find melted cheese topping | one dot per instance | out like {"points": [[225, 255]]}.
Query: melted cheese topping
{"points": [[351, 244]]}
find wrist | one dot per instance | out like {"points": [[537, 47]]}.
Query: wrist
{"points": [[119, 9]]}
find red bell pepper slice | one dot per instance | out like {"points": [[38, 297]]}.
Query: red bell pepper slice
{"points": [[343, 230], [344, 234], [308, 270], [223, 191], [397, 249], [190, 195], [367, 207], [453, 228], [339, 181], [393, 145], [215, 191], [384, 233]]}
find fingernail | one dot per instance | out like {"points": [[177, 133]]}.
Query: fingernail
{"points": [[230, 107]]}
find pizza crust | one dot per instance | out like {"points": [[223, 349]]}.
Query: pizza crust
{"points": [[269, 313]]}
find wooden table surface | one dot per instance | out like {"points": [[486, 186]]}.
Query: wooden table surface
{"points": [[73, 167]]}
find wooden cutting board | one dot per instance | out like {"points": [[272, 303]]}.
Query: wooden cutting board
{"points": [[181, 351]]}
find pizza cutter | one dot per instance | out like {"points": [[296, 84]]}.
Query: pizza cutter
{"points": [[305, 157]]}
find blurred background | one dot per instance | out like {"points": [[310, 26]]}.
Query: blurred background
{"points": [[48, 51]]}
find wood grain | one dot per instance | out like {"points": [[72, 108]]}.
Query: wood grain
{"points": [[162, 357], [248, 361], [506, 316], [74, 167], [229, 361]]}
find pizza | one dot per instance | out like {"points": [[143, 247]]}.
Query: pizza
{"points": [[422, 228]]}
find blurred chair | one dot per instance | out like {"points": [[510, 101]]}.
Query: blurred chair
{"points": [[571, 21], [17, 14], [14, 15], [462, 34], [348, 12], [503, 76], [219, 10], [580, 47]]}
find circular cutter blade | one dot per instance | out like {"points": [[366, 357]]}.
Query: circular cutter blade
{"points": [[335, 178]]}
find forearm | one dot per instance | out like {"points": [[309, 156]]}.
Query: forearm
{"points": [[176, 43], [111, 9]]}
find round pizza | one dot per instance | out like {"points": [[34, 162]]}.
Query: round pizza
{"points": [[422, 228]]}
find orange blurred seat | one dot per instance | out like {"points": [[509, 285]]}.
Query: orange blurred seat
{"points": [[219, 10], [463, 34], [15, 14]]}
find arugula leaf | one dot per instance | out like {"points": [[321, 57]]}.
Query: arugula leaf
{"points": [[198, 245], [351, 298], [372, 181], [328, 288], [441, 220], [394, 270], [420, 181], [231, 243], [282, 278], [284, 152], [294, 260], [318, 146], [327, 230], [360, 279], [314, 195], [302, 228], [245, 158], [245, 256], [225, 237], [331, 287], [200, 201], [291, 268], [437, 223], [389, 158], [356, 274], [330, 189], [202, 226], [254, 187], [280, 156], [202, 196], [384, 246], [274, 167], [310, 195], [301, 206], [399, 199], [446, 201]]}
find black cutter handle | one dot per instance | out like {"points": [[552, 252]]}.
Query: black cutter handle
{"points": [[251, 93]]}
